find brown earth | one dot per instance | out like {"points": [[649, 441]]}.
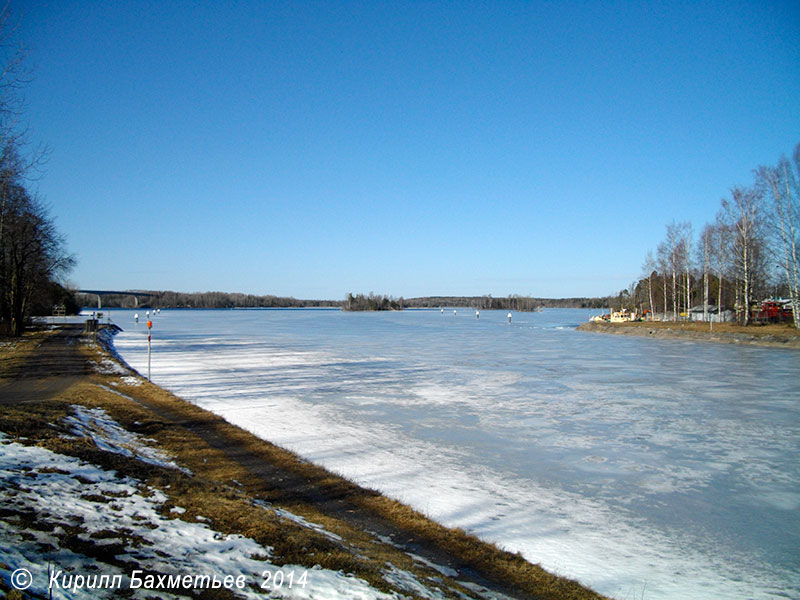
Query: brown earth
{"points": [[773, 335], [40, 367], [44, 374]]}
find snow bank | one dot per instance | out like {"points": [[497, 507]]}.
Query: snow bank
{"points": [[46, 495]]}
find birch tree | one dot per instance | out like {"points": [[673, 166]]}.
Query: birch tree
{"points": [[743, 218], [720, 255], [781, 186], [706, 245], [675, 252], [662, 258], [685, 229], [650, 269], [672, 245]]}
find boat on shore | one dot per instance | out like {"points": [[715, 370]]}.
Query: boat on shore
{"points": [[620, 316]]}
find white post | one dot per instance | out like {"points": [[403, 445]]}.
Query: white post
{"points": [[149, 326]]}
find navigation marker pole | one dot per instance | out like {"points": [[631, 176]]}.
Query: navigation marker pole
{"points": [[149, 327]]}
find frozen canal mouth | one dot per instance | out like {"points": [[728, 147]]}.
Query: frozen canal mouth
{"points": [[655, 468]]}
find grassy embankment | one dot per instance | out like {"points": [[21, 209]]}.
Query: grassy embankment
{"points": [[230, 471], [775, 335]]}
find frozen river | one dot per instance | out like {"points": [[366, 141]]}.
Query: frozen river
{"points": [[646, 468]]}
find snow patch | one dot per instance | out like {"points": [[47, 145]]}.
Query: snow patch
{"points": [[108, 435], [68, 493], [407, 581], [107, 366], [285, 514], [444, 570]]}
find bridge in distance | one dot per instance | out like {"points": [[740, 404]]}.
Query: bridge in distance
{"points": [[100, 293]]}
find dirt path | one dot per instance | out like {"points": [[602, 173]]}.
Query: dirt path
{"points": [[51, 367]]}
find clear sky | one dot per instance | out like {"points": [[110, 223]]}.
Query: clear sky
{"points": [[406, 148]]}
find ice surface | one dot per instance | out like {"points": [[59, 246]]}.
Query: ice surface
{"points": [[629, 464]]}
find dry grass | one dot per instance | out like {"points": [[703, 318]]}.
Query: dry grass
{"points": [[756, 329], [232, 471], [759, 334]]}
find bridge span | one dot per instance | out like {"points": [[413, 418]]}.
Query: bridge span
{"points": [[100, 293]]}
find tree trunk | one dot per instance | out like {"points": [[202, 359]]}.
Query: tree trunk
{"points": [[674, 297]]}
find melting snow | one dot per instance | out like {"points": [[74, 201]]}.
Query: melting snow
{"points": [[285, 514], [66, 493], [105, 432], [110, 367]]}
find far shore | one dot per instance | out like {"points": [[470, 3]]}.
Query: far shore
{"points": [[772, 335]]}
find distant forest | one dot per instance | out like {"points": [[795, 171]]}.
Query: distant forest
{"points": [[513, 302], [353, 302], [166, 299], [488, 302]]}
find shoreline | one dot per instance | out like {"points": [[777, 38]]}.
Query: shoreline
{"points": [[227, 476], [724, 333]]}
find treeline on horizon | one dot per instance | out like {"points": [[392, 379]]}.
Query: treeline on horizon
{"points": [[169, 299], [512, 302], [352, 302], [749, 253]]}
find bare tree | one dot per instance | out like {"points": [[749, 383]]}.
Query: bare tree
{"points": [[706, 244], [781, 186], [31, 255], [720, 254], [685, 229], [662, 258], [737, 252], [649, 267], [744, 219], [31, 250], [675, 253], [672, 246]]}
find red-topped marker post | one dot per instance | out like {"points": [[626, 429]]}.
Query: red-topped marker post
{"points": [[149, 327]]}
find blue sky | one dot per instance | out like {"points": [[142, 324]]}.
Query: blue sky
{"points": [[406, 148]]}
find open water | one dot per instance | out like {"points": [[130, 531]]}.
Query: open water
{"points": [[655, 469]]}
